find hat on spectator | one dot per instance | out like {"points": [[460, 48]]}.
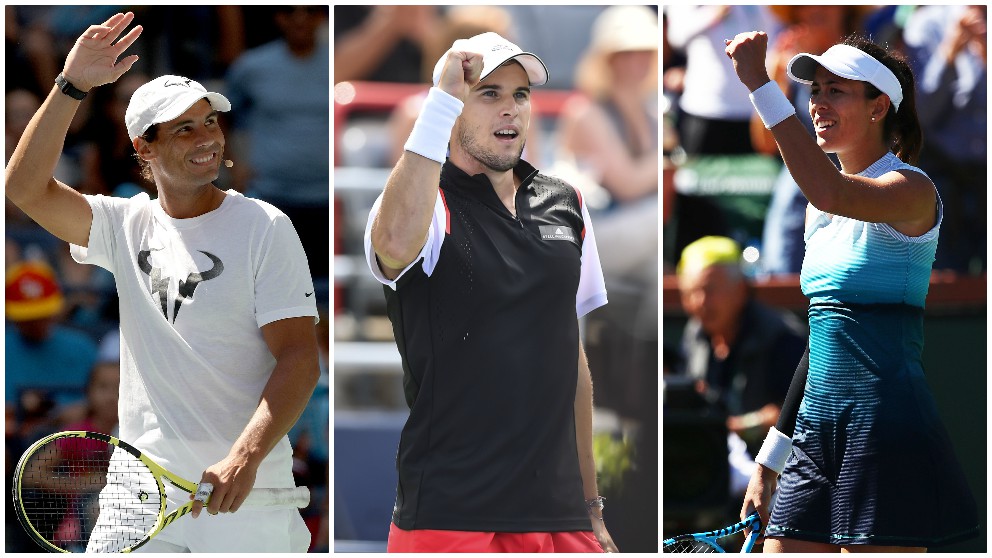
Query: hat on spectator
{"points": [[32, 292], [708, 251], [624, 29], [495, 51], [165, 98], [616, 29]]}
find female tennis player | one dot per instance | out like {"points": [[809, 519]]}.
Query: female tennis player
{"points": [[865, 462]]}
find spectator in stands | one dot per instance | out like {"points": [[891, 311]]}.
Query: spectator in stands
{"points": [[98, 413], [559, 32], [19, 106], [40, 353], [948, 47], [310, 437], [809, 28], [200, 41], [279, 95], [609, 133], [715, 112], [382, 43], [741, 352], [611, 129], [672, 66]]}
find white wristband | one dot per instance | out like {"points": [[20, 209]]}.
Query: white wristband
{"points": [[432, 130], [774, 451], [772, 105]]}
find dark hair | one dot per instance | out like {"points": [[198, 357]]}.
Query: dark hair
{"points": [[146, 169], [900, 129]]}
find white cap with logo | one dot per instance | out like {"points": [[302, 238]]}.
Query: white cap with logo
{"points": [[495, 51], [166, 98]]}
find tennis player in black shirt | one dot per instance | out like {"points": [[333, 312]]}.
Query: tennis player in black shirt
{"points": [[487, 266]]}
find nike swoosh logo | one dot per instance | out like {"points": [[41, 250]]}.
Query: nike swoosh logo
{"points": [[308, 294]]}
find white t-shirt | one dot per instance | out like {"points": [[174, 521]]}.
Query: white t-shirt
{"points": [[193, 295], [590, 295]]}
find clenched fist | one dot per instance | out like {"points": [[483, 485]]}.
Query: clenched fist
{"points": [[461, 72], [747, 50]]}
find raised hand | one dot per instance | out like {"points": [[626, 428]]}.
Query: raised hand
{"points": [[747, 50], [93, 59], [461, 72]]}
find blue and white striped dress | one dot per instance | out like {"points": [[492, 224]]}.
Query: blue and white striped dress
{"points": [[870, 452]]}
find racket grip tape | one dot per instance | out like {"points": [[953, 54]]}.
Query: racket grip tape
{"points": [[298, 497]]}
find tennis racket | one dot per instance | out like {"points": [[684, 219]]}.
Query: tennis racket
{"points": [[81, 491], [707, 542]]}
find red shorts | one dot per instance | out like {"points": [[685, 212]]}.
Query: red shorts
{"points": [[432, 540]]}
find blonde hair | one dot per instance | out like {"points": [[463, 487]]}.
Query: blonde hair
{"points": [[617, 29]]}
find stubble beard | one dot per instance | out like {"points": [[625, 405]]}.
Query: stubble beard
{"points": [[487, 157]]}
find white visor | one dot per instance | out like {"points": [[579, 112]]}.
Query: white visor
{"points": [[495, 51], [847, 62]]}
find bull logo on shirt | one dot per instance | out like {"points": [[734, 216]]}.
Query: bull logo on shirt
{"points": [[160, 281]]}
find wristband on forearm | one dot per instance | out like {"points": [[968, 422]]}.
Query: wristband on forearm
{"points": [[772, 105], [774, 451], [432, 131]]}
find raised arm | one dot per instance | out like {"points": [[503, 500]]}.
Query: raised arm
{"points": [[904, 199], [29, 183], [400, 229]]}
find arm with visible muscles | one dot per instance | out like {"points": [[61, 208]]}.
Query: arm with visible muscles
{"points": [[293, 343], [400, 228], [28, 179]]}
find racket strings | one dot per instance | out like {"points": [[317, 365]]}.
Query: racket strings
{"points": [[688, 546], [80, 494]]}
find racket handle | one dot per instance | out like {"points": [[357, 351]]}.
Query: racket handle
{"points": [[298, 497]]}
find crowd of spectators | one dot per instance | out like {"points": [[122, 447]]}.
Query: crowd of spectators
{"points": [[62, 346]]}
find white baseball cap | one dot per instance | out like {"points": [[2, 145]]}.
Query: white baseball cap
{"points": [[848, 62], [165, 98], [495, 51]]}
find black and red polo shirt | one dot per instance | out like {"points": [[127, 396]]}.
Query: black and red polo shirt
{"points": [[486, 322]]}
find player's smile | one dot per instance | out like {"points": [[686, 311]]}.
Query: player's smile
{"points": [[837, 105], [209, 160], [194, 143]]}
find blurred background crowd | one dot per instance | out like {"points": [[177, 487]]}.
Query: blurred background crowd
{"points": [[734, 319], [595, 125], [62, 343]]}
